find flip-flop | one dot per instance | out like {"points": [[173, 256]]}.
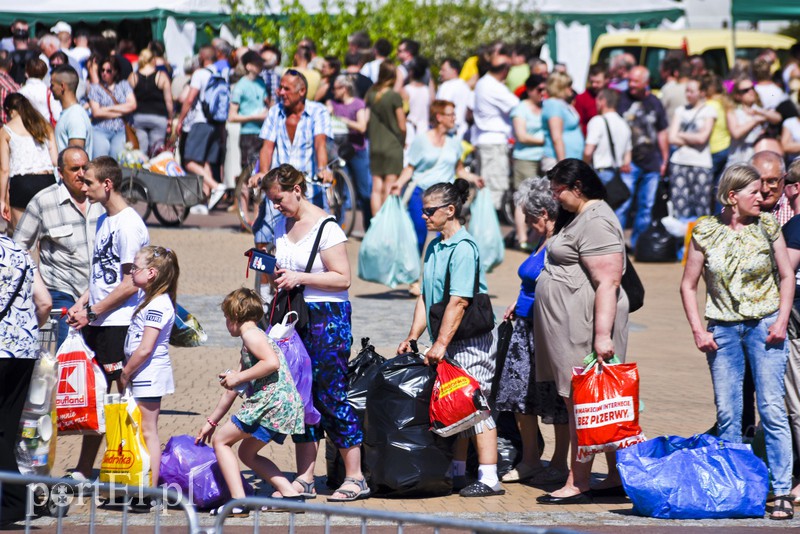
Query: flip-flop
{"points": [[350, 495]]}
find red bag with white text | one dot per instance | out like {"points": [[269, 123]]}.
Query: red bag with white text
{"points": [[606, 398], [81, 388], [457, 402]]}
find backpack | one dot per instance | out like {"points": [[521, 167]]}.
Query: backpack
{"points": [[216, 98]]}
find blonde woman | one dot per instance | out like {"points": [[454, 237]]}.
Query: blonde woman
{"points": [[747, 121], [562, 126], [154, 110]]}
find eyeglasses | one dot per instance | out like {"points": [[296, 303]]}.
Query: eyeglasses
{"points": [[743, 90], [136, 269], [451, 114], [772, 182], [428, 212]]}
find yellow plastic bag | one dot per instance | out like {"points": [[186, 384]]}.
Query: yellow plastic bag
{"points": [[127, 460]]}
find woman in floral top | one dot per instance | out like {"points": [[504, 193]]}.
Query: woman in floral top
{"points": [[750, 286], [272, 407]]}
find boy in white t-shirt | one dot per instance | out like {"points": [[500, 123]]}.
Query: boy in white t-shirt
{"points": [[105, 310]]}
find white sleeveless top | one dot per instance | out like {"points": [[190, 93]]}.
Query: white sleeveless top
{"points": [[419, 106], [28, 156]]}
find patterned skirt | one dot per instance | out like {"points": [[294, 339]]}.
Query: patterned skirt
{"points": [[690, 190], [476, 356], [518, 391]]}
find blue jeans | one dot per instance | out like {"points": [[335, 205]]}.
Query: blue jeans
{"points": [[358, 169], [745, 341], [107, 143], [646, 185], [61, 300], [415, 211], [622, 211]]}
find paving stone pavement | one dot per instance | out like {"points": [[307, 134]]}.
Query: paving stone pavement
{"points": [[675, 388]]}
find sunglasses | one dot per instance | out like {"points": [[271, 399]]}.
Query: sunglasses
{"points": [[106, 70], [744, 90], [428, 212]]}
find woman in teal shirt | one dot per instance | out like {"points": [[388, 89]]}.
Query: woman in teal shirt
{"points": [[455, 250], [562, 134]]}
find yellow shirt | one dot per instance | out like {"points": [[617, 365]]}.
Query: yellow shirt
{"points": [[720, 135], [469, 69]]}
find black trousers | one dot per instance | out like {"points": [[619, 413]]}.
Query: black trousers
{"points": [[15, 378]]}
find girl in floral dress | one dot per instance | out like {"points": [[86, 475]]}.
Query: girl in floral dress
{"points": [[272, 407]]}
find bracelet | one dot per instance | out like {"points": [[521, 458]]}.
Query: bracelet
{"points": [[212, 423]]}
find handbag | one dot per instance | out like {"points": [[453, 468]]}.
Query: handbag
{"points": [[130, 131], [478, 318], [617, 192], [633, 287], [293, 300]]}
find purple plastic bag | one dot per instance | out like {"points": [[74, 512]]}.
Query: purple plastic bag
{"points": [[299, 363], [195, 470]]}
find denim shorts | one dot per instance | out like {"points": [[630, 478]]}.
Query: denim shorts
{"points": [[258, 431]]}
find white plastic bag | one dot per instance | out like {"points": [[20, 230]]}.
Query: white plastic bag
{"points": [[81, 388]]}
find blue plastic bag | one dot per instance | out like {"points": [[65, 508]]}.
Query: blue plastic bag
{"points": [[701, 477], [485, 229], [194, 469], [388, 253]]}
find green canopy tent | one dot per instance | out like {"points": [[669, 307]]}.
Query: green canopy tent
{"points": [[756, 10]]}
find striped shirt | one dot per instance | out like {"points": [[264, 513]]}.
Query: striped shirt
{"points": [[299, 153], [7, 86], [65, 235]]}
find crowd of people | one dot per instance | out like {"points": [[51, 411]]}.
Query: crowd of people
{"points": [[722, 145]]}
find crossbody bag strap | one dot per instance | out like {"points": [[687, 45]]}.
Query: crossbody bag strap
{"points": [[315, 248], [611, 143], [109, 93], [476, 285], [15, 294]]}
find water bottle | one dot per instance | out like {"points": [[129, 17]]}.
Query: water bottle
{"points": [[36, 440], [241, 389]]}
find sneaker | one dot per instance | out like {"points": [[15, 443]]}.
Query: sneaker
{"points": [[199, 209], [216, 196]]}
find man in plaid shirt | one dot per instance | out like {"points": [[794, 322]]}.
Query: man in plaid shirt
{"points": [[63, 222], [296, 132]]}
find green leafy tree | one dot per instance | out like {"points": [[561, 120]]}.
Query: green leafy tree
{"points": [[444, 28]]}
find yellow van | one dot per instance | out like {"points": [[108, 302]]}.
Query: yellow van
{"points": [[650, 47]]}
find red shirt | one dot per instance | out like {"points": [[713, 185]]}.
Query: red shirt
{"points": [[7, 86], [586, 106]]}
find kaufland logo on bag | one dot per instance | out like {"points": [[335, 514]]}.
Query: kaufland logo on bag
{"points": [[72, 385], [606, 412]]}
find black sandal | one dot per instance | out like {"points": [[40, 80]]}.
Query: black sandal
{"points": [[783, 504]]}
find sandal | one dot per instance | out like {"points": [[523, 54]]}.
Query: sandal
{"points": [[350, 495], [308, 491], [281, 508], [237, 511], [784, 505]]}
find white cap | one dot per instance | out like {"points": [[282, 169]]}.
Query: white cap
{"points": [[61, 26]]}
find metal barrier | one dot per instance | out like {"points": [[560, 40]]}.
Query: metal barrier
{"points": [[61, 491], [364, 515]]}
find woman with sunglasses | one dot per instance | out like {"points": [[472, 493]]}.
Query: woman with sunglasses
{"points": [[111, 100], [454, 254], [434, 157], [528, 151], [747, 121], [743, 259]]}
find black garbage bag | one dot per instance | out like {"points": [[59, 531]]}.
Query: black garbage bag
{"points": [[404, 458], [360, 372], [656, 244]]}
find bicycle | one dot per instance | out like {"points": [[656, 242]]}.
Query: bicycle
{"points": [[339, 198]]}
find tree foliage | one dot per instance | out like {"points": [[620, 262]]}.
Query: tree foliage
{"points": [[444, 27]]}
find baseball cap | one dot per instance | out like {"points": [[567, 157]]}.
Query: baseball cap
{"points": [[61, 26]]}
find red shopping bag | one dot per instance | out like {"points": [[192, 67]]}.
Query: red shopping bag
{"points": [[81, 388], [457, 402], [606, 406]]}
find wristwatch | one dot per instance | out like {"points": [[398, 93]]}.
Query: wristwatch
{"points": [[90, 314]]}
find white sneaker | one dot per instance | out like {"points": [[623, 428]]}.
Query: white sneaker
{"points": [[216, 196], [199, 209]]}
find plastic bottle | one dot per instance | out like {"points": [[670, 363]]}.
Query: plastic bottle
{"points": [[36, 441]]}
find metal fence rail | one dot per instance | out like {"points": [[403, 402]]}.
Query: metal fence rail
{"points": [[61, 491], [364, 515]]}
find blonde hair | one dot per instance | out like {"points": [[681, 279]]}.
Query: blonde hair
{"points": [[242, 305], [146, 57], [735, 178], [557, 84], [165, 262]]}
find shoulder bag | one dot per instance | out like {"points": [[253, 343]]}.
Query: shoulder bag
{"points": [[478, 318], [293, 300], [633, 286], [617, 192], [130, 131]]}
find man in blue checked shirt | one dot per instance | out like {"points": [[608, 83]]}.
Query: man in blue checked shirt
{"points": [[296, 132]]}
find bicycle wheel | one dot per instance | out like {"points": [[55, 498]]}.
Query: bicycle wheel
{"points": [[247, 199], [135, 193], [507, 207], [341, 197], [170, 214]]}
